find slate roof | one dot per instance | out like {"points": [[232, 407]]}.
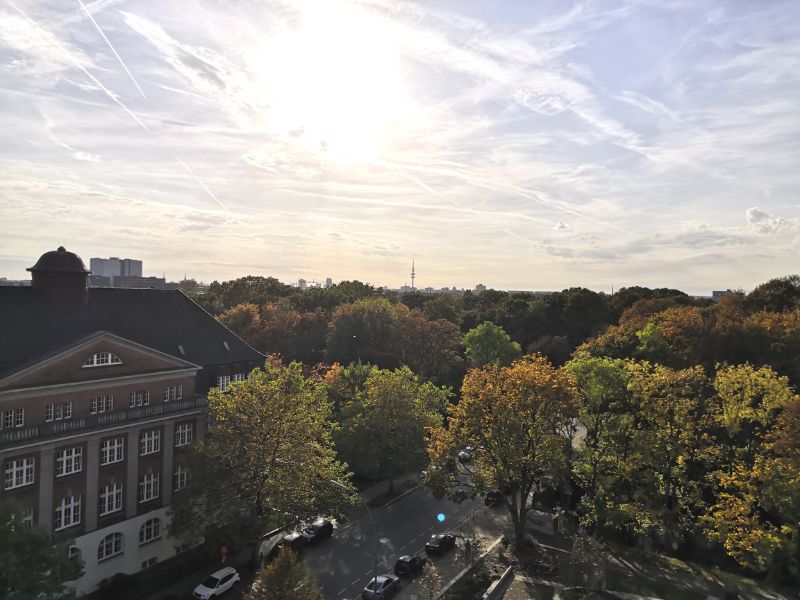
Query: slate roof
{"points": [[32, 329]]}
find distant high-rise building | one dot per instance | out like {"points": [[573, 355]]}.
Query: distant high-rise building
{"points": [[413, 274], [328, 283], [480, 288], [302, 284], [115, 267]]}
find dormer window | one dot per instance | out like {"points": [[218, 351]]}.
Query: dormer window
{"points": [[102, 359]]}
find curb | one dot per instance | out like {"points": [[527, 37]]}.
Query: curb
{"points": [[467, 569]]}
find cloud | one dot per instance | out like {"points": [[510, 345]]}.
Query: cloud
{"points": [[764, 223], [85, 156], [561, 226]]}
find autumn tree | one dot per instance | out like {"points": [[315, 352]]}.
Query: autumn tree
{"points": [[285, 578], [429, 348], [489, 344], [34, 565], [384, 427], [268, 460], [776, 295], [520, 419]]}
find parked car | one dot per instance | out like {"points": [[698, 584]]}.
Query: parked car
{"points": [[380, 587], [440, 543], [294, 541], [217, 584], [466, 454], [409, 566], [319, 530], [493, 498]]}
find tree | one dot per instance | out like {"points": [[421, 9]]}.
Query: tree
{"points": [[285, 578], [364, 330], [520, 419], [33, 564], [430, 348], [489, 344], [384, 427], [245, 321], [779, 294], [268, 459], [606, 415]]}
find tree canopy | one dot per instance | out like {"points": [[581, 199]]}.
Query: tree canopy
{"points": [[285, 578], [268, 460]]}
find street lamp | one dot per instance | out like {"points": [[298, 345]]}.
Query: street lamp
{"points": [[339, 484]]}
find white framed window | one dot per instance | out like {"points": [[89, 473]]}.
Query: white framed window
{"points": [[173, 392], [60, 411], [111, 498], [150, 442], [68, 461], [183, 434], [239, 377], [101, 404], [112, 451], [181, 478], [27, 516], [148, 487], [223, 382], [68, 512], [13, 417], [109, 546], [140, 398], [149, 531], [149, 562], [102, 359], [19, 472]]}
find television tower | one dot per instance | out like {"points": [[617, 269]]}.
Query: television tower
{"points": [[412, 274]]}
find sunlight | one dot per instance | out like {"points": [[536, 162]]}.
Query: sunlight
{"points": [[333, 80]]}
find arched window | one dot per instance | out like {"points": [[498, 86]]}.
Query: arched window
{"points": [[109, 546], [149, 531], [102, 359]]}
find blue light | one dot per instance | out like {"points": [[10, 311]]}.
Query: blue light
{"points": [[440, 517]]}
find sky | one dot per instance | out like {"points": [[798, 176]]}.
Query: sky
{"points": [[522, 145]]}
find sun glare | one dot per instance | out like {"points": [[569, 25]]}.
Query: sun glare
{"points": [[332, 77]]}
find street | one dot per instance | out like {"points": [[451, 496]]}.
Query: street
{"points": [[344, 564]]}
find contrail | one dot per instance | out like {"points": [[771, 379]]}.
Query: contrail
{"points": [[200, 181], [119, 58], [72, 59]]}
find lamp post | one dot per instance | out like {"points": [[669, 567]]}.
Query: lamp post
{"points": [[339, 484]]}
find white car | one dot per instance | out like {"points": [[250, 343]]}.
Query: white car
{"points": [[217, 583]]}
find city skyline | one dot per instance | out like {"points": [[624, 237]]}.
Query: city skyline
{"points": [[524, 147]]}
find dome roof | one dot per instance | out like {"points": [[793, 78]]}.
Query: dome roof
{"points": [[59, 261]]}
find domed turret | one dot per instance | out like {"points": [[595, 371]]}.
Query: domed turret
{"points": [[61, 277]]}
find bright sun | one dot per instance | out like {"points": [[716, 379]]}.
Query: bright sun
{"points": [[333, 76]]}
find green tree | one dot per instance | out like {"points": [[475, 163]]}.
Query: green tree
{"points": [[33, 564], [776, 295], [384, 427], [606, 418], [285, 578], [429, 348], [364, 330], [520, 419], [489, 344], [268, 459]]}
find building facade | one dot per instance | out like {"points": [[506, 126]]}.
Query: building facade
{"points": [[102, 392]]}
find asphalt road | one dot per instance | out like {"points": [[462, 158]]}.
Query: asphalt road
{"points": [[344, 564]]}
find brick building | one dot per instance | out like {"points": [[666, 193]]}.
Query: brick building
{"points": [[101, 392]]}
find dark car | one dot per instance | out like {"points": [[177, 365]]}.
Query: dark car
{"points": [[380, 587], [294, 541], [493, 498], [440, 543], [319, 530], [409, 566]]}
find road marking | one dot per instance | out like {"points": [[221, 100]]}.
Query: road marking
{"points": [[555, 548], [355, 581], [400, 550], [341, 591]]}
